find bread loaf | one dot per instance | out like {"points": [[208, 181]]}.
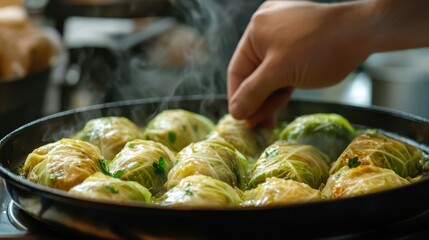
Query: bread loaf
{"points": [[4, 3], [24, 49]]}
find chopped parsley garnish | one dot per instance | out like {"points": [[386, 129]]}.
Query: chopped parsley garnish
{"points": [[131, 145], [111, 189], [171, 137], [272, 152], [160, 166], [353, 162], [118, 173], [188, 191], [104, 167]]}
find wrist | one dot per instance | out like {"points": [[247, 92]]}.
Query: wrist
{"points": [[354, 28], [398, 24]]}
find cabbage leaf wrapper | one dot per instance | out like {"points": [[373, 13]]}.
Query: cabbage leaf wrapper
{"points": [[212, 157], [62, 164], [177, 128], [330, 132], [102, 187], [285, 160], [249, 141], [277, 191], [382, 151], [361, 180], [110, 134], [144, 161], [201, 191]]}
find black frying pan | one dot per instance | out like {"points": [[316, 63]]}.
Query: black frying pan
{"points": [[129, 221]]}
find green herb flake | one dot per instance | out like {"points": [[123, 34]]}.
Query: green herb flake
{"points": [[131, 145], [353, 162], [160, 166], [188, 191], [172, 137], [272, 152], [118, 173], [111, 189], [104, 167]]}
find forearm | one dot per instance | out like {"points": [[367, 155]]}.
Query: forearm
{"points": [[399, 24], [291, 44]]}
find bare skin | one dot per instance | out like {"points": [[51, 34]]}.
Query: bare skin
{"points": [[307, 45]]}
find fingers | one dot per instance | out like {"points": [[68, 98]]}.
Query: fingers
{"points": [[266, 114], [251, 93], [242, 64]]}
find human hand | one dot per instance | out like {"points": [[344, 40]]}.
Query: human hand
{"points": [[293, 44]]}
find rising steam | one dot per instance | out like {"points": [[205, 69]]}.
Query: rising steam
{"points": [[189, 57]]}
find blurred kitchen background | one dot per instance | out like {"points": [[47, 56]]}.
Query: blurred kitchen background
{"points": [[111, 50]]}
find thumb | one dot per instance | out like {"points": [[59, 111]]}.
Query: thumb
{"points": [[253, 92]]}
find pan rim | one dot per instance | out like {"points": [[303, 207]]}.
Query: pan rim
{"points": [[52, 193]]}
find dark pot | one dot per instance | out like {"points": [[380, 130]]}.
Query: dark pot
{"points": [[22, 100]]}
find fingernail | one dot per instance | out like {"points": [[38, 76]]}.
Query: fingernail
{"points": [[237, 111]]}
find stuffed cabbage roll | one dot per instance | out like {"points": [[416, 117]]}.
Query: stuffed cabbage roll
{"points": [[177, 128], [382, 151], [110, 134], [299, 162], [213, 157], [102, 187], [329, 132], [144, 161], [250, 142], [62, 164], [359, 180], [277, 191], [201, 191]]}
